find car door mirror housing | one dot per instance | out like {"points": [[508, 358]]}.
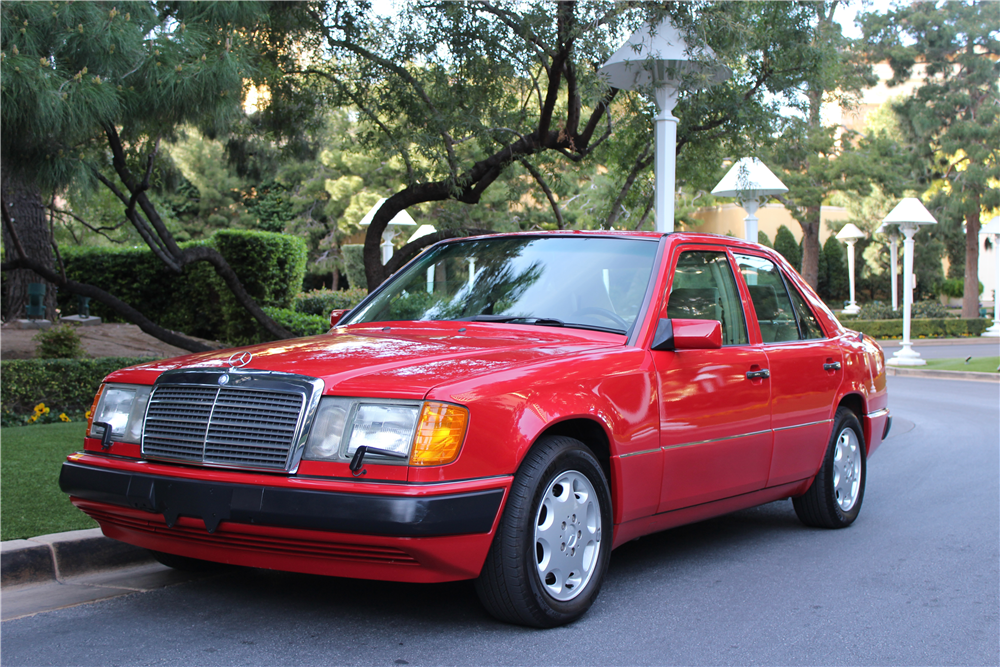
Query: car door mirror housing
{"points": [[337, 315], [679, 334]]}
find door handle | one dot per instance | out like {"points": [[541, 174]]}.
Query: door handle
{"points": [[835, 366], [758, 375]]}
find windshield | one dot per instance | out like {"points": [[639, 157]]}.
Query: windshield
{"points": [[582, 282]]}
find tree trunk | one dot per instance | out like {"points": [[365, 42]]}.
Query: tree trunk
{"points": [[810, 251], [970, 295], [24, 204]]}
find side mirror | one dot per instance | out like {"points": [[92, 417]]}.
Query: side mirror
{"points": [[337, 315], [679, 334]]}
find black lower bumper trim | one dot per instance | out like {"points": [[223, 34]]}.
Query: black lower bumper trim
{"points": [[214, 502], [888, 425]]}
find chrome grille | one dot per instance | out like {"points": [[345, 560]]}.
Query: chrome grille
{"points": [[241, 427]]}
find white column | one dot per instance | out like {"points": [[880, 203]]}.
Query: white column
{"points": [[893, 263], [664, 163], [750, 222], [994, 330], [906, 355], [852, 308]]}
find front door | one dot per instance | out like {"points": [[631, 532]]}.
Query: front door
{"points": [[714, 404]]}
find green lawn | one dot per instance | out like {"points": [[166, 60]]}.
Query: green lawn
{"points": [[977, 365], [31, 503]]}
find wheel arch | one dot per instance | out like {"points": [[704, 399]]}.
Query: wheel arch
{"points": [[856, 404], [592, 434]]}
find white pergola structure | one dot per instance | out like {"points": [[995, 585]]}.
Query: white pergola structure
{"points": [[850, 235], [893, 233], [909, 214], [656, 59], [752, 183], [401, 219], [992, 228]]}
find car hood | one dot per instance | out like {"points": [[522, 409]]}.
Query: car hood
{"points": [[400, 360]]}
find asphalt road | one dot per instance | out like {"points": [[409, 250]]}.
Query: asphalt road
{"points": [[916, 580], [981, 348]]}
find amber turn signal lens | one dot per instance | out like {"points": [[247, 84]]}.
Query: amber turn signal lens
{"points": [[93, 411], [439, 434]]}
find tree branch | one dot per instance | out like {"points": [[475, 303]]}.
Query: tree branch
{"points": [[548, 192]]}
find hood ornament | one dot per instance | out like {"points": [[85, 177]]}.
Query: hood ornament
{"points": [[240, 359]]}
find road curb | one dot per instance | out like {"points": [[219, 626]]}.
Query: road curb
{"points": [[49, 558], [942, 375]]}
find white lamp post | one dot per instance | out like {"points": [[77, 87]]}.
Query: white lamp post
{"points": [[658, 59], [893, 254], [992, 228], [401, 219], [750, 181], [850, 235], [908, 214]]}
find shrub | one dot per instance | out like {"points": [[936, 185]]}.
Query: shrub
{"points": [[354, 264], [955, 288], [64, 385], [786, 245], [59, 342], [322, 301], [935, 328], [927, 310], [300, 324]]}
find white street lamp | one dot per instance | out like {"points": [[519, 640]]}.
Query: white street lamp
{"points": [[401, 219], [850, 235], [657, 59], [750, 181], [893, 254], [992, 228], [908, 214]]}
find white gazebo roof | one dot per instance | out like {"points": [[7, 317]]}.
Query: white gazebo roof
{"points": [[749, 178], [991, 227], [909, 210], [422, 230], [401, 219], [850, 231], [668, 58]]}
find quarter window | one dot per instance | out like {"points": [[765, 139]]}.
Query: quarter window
{"points": [[704, 288], [782, 313]]}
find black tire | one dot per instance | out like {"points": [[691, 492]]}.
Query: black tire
{"points": [[834, 499], [511, 586], [185, 563]]}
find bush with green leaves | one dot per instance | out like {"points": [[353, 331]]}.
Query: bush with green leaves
{"points": [[300, 324], [920, 328], [354, 264], [927, 310], [955, 288], [786, 245], [59, 342], [876, 310], [64, 385], [322, 301], [197, 302]]}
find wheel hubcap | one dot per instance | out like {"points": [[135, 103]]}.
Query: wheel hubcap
{"points": [[567, 535], [847, 469]]}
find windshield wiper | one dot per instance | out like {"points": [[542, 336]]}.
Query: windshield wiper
{"points": [[541, 321]]}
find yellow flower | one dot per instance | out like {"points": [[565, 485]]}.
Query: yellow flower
{"points": [[46, 411], [87, 414], [63, 417], [40, 409], [31, 420]]}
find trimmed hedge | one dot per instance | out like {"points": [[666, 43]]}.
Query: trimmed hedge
{"points": [[322, 301], [300, 324], [936, 328], [270, 267], [64, 385]]}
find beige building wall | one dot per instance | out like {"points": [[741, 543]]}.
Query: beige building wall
{"points": [[727, 219]]}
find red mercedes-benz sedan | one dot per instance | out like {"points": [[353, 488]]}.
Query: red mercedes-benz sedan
{"points": [[506, 409]]}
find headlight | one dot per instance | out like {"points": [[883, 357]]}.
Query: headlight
{"points": [[429, 433], [124, 407]]}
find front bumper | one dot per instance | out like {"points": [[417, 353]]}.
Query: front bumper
{"points": [[404, 537]]}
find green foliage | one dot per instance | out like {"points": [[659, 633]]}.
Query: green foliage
{"points": [[354, 265], [786, 245], [876, 310], [763, 239], [834, 283], [270, 267], [197, 302], [955, 288], [31, 503], [937, 328], [59, 342], [300, 324], [922, 310], [65, 385], [321, 302], [929, 309]]}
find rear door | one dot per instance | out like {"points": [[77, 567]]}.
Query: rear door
{"points": [[806, 370]]}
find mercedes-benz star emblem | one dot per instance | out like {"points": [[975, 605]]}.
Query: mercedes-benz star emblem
{"points": [[240, 359]]}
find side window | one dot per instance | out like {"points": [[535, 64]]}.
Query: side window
{"points": [[704, 288], [775, 312], [808, 324]]}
